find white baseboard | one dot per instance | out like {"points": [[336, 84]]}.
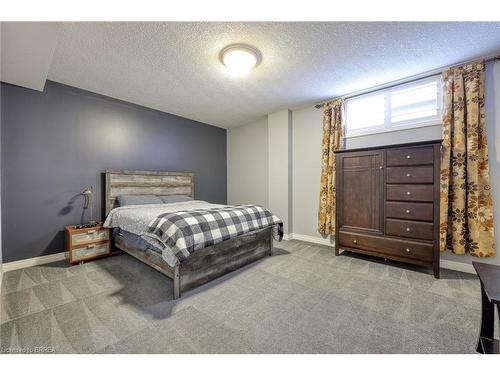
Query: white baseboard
{"points": [[312, 239], [444, 263], [456, 266], [10, 266], [25, 263]]}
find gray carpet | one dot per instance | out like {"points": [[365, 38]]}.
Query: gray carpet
{"points": [[302, 300]]}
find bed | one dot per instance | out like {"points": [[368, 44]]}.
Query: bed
{"points": [[201, 266]]}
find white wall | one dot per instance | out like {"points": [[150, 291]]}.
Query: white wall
{"points": [[280, 187], [307, 129], [247, 164], [307, 137], [306, 160], [259, 157], [27, 49], [403, 136]]}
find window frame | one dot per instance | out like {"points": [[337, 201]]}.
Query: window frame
{"points": [[388, 126]]}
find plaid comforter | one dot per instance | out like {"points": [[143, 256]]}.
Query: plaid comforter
{"points": [[184, 232]]}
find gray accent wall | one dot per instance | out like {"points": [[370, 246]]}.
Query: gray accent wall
{"points": [[57, 141]]}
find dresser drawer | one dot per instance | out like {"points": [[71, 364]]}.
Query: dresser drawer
{"points": [[410, 175], [90, 235], [409, 211], [388, 246], [410, 156], [410, 229], [89, 251], [418, 193]]}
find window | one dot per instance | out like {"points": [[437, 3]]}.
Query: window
{"points": [[401, 107]]}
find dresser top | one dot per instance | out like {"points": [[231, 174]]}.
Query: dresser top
{"points": [[399, 145]]}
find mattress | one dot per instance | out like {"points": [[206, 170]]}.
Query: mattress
{"points": [[136, 219], [134, 240], [177, 230]]}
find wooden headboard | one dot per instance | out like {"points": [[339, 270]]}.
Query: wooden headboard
{"points": [[130, 182]]}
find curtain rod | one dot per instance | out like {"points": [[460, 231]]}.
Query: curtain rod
{"points": [[402, 81]]}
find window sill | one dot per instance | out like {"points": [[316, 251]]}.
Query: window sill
{"points": [[395, 129]]}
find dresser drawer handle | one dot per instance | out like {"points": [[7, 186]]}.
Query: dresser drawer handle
{"points": [[407, 229], [408, 156], [408, 175], [92, 231], [355, 242], [408, 211], [90, 246], [408, 193], [407, 250]]}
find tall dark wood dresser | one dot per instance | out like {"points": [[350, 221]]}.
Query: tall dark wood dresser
{"points": [[388, 202]]}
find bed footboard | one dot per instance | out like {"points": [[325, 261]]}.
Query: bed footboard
{"points": [[209, 263]]}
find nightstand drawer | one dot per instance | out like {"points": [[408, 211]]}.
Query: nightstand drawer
{"points": [[78, 254], [90, 235]]}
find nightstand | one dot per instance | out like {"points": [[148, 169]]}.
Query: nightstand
{"points": [[88, 243], [489, 276]]}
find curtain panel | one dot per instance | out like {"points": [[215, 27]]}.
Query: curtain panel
{"points": [[466, 207], [333, 135]]}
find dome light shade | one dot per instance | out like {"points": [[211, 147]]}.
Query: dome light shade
{"points": [[239, 59]]}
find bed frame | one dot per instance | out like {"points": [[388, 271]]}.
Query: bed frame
{"points": [[203, 265]]}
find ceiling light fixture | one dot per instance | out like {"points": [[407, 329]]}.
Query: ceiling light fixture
{"points": [[239, 59]]}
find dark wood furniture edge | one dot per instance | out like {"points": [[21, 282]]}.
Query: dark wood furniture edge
{"points": [[489, 275], [382, 255], [437, 182], [436, 144], [481, 268], [337, 213], [398, 145]]}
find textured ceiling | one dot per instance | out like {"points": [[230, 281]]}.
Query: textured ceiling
{"points": [[26, 53], [174, 67]]}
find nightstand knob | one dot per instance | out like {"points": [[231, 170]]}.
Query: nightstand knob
{"points": [[407, 211], [408, 156], [407, 250], [355, 241], [407, 229], [381, 167], [90, 246], [91, 231], [408, 193], [408, 175]]}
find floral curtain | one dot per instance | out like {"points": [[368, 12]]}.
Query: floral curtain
{"points": [[466, 215], [333, 135]]}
